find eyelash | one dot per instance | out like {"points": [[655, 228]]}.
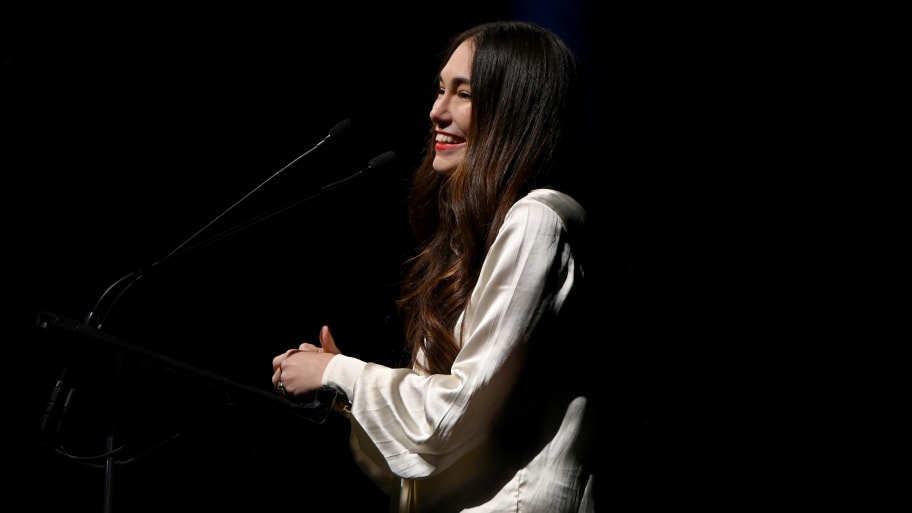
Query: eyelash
{"points": [[466, 95]]}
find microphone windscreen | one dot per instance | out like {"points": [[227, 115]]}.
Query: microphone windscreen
{"points": [[340, 127], [382, 159]]}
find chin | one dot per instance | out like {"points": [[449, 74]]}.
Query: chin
{"points": [[444, 168]]}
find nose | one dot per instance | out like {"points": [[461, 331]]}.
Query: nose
{"points": [[440, 112]]}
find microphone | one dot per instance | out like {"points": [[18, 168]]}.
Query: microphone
{"points": [[337, 129], [375, 163]]}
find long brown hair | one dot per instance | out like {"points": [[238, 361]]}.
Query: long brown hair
{"points": [[525, 87]]}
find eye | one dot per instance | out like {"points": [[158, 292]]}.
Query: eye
{"points": [[465, 95]]}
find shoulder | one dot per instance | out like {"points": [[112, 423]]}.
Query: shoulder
{"points": [[550, 202]]}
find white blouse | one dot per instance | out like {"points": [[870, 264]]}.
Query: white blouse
{"points": [[506, 430]]}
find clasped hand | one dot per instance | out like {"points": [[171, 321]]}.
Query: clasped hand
{"points": [[298, 373]]}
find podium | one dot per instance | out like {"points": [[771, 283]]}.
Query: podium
{"points": [[315, 410], [234, 393]]}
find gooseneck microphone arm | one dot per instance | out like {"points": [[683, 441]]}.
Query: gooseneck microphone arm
{"points": [[339, 128], [374, 163], [129, 279]]}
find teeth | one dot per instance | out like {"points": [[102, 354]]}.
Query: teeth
{"points": [[443, 138]]}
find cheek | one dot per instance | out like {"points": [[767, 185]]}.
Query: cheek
{"points": [[463, 116]]}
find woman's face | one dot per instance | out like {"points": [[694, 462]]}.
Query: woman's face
{"points": [[452, 110]]}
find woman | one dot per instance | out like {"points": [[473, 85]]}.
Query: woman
{"points": [[493, 412]]}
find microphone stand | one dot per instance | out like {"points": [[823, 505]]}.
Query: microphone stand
{"points": [[98, 315], [136, 275], [110, 460]]}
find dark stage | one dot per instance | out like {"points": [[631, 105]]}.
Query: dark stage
{"points": [[123, 139]]}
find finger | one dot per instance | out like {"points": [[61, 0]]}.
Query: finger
{"points": [[327, 341], [276, 377], [307, 346], [279, 359]]}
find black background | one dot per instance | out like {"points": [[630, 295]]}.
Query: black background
{"points": [[125, 133]]}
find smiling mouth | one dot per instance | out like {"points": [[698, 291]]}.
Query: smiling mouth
{"points": [[447, 139], [444, 142]]}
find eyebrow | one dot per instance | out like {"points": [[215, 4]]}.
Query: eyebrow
{"points": [[457, 81]]}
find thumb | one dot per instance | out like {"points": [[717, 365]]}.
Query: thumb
{"points": [[328, 342]]}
